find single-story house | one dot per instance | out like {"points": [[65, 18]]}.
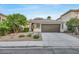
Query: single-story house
{"points": [[44, 25]]}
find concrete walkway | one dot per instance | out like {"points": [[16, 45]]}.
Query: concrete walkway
{"points": [[21, 43]]}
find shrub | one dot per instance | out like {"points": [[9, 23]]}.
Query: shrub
{"points": [[71, 23], [29, 35], [21, 35], [4, 29], [36, 36], [71, 29], [26, 29]]}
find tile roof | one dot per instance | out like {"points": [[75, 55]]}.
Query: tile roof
{"points": [[45, 21], [77, 10], [2, 15]]}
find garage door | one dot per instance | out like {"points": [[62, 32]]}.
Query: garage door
{"points": [[50, 28]]}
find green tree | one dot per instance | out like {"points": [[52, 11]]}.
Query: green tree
{"points": [[4, 29], [49, 17], [71, 23], [16, 20]]}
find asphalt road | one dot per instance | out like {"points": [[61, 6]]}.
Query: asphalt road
{"points": [[39, 50]]}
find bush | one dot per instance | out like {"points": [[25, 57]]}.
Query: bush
{"points": [[71, 29], [21, 35], [4, 29], [29, 35], [26, 29], [36, 36], [71, 23]]}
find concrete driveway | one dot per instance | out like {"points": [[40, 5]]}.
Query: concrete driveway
{"points": [[59, 40]]}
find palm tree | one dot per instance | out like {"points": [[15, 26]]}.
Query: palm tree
{"points": [[49, 18]]}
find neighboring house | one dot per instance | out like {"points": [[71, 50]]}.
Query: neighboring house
{"points": [[44, 25], [2, 17], [67, 16]]}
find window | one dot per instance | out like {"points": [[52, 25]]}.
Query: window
{"points": [[37, 25]]}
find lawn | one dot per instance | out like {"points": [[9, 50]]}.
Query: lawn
{"points": [[22, 37]]}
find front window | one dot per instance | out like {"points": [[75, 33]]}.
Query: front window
{"points": [[37, 25]]}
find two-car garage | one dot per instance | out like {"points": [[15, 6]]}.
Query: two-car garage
{"points": [[50, 27]]}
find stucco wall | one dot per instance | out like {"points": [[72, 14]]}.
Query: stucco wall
{"points": [[66, 18], [37, 29], [2, 18]]}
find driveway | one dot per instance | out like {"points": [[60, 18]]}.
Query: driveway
{"points": [[59, 40]]}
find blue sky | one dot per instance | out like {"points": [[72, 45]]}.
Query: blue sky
{"points": [[37, 10]]}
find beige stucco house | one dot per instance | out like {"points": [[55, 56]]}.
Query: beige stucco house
{"points": [[67, 16], [2, 17], [45, 25]]}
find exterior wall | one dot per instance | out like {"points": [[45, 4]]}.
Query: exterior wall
{"points": [[61, 28], [77, 14], [2, 18], [66, 18], [30, 27], [37, 29]]}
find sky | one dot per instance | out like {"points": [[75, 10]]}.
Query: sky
{"points": [[37, 10]]}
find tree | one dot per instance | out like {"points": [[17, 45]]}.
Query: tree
{"points": [[16, 20], [49, 17], [72, 23], [4, 29]]}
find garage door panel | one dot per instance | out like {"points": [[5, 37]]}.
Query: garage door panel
{"points": [[50, 27]]}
